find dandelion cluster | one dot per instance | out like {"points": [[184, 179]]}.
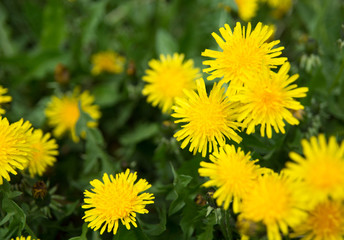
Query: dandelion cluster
{"points": [[255, 89], [321, 173], [235, 152], [249, 93], [304, 200], [21, 148], [246, 63]]}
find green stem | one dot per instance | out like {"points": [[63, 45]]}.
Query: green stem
{"points": [[226, 226]]}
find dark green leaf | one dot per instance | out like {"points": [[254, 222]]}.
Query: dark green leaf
{"points": [[54, 26]]}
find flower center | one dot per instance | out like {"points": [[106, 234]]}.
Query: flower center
{"points": [[268, 99], [327, 219], [172, 82], [208, 117], [236, 174], [71, 113], [272, 201], [244, 56], [117, 201], [107, 62], [37, 153]]}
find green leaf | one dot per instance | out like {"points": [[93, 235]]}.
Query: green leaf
{"points": [[107, 94], [7, 218], [141, 132], [14, 194], [18, 218], [209, 228], [83, 233], [156, 229], [165, 43], [5, 188], [6, 45], [189, 219], [81, 125], [180, 183], [54, 26], [35, 115], [93, 16], [95, 151]]}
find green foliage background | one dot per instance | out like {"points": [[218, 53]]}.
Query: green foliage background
{"points": [[37, 35]]}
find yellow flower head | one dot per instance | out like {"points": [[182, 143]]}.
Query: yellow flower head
{"points": [[63, 113], [280, 6], [325, 221], [321, 169], [107, 61], [15, 150], [167, 79], [44, 151], [247, 9], [209, 120], [276, 201], [3, 98], [267, 101], [24, 238], [232, 172], [245, 54], [116, 198]]}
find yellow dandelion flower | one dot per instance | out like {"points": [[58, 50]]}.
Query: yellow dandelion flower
{"points": [[232, 172], [63, 113], [276, 201], [107, 61], [280, 6], [116, 199], [245, 54], [209, 120], [267, 101], [324, 222], [15, 150], [247, 9], [4, 98], [44, 151], [167, 79], [321, 169], [24, 238]]}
